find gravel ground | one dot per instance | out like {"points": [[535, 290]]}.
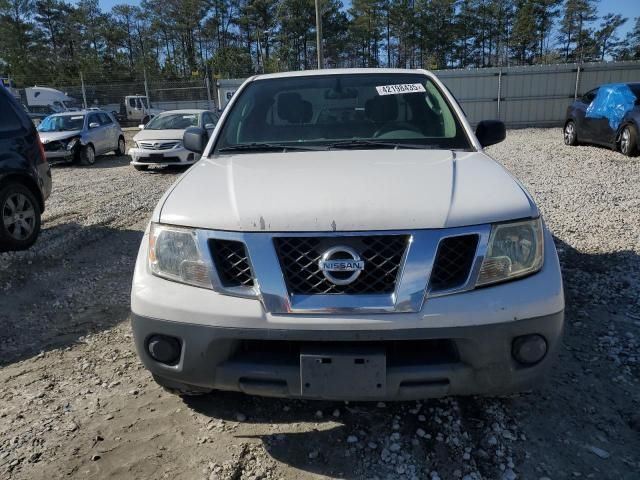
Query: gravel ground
{"points": [[75, 401]]}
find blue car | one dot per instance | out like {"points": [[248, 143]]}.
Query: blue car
{"points": [[608, 115]]}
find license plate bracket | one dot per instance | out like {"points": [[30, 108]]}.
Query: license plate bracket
{"points": [[343, 372]]}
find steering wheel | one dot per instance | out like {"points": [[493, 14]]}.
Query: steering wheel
{"points": [[391, 126]]}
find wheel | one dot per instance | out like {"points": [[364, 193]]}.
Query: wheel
{"points": [[570, 136], [19, 217], [121, 147], [181, 389], [141, 168], [629, 141], [88, 155]]}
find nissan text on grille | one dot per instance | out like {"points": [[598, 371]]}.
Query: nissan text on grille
{"points": [[344, 236]]}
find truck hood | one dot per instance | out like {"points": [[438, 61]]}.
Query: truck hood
{"points": [[345, 190], [46, 137], [159, 135]]}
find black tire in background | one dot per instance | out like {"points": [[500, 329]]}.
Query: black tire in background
{"points": [[19, 217], [569, 133], [87, 155], [141, 168], [120, 151], [629, 141]]}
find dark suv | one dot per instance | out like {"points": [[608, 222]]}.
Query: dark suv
{"points": [[25, 177]]}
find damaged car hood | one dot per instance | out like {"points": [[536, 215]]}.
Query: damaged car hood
{"points": [[345, 190]]}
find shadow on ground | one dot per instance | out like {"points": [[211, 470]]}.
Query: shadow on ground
{"points": [[74, 281]]}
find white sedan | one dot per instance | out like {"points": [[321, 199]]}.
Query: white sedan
{"points": [[160, 141]]}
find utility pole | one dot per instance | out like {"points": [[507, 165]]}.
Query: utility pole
{"points": [[146, 86], [319, 35], [84, 92]]}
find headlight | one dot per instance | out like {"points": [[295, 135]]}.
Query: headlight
{"points": [[174, 255], [72, 143], [514, 250]]}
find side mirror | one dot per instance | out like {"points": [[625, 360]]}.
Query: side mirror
{"points": [[94, 125], [141, 126], [195, 139], [490, 132]]}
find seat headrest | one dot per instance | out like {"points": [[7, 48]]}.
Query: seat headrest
{"points": [[293, 109], [381, 109]]}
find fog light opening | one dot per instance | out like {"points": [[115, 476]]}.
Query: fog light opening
{"points": [[529, 349], [164, 349]]}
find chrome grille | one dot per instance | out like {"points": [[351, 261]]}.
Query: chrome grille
{"points": [[299, 257], [453, 262], [158, 145], [232, 263]]}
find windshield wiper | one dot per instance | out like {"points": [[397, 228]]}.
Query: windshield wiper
{"points": [[376, 144], [255, 146]]}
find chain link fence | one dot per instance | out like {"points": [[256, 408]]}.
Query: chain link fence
{"points": [[48, 97], [534, 96]]}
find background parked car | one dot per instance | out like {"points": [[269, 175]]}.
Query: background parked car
{"points": [[160, 141], [608, 115], [25, 177], [81, 136]]}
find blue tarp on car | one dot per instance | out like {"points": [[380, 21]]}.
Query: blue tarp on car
{"points": [[612, 102]]}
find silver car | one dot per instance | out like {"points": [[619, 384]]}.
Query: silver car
{"points": [[160, 141], [81, 136]]}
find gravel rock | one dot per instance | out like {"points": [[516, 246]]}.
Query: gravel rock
{"points": [[599, 452]]}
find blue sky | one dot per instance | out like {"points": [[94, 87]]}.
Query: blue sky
{"points": [[626, 8]]}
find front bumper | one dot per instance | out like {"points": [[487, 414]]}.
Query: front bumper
{"points": [[421, 363], [59, 155], [174, 156], [459, 344]]}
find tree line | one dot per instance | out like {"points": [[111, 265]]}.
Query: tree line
{"points": [[52, 41]]}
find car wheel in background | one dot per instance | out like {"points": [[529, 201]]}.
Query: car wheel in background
{"points": [[19, 217], [141, 168], [120, 151], [87, 155], [570, 136], [629, 141]]}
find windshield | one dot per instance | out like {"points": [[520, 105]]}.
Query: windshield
{"points": [[342, 111], [173, 121], [62, 123]]}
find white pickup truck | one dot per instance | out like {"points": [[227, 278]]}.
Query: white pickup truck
{"points": [[345, 236]]}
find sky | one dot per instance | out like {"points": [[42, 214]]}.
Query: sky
{"points": [[626, 8]]}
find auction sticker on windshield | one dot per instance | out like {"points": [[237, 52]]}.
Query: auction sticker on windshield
{"points": [[400, 88]]}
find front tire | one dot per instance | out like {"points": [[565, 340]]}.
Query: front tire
{"points": [[570, 135], [121, 147], [629, 141], [19, 218], [87, 155]]}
